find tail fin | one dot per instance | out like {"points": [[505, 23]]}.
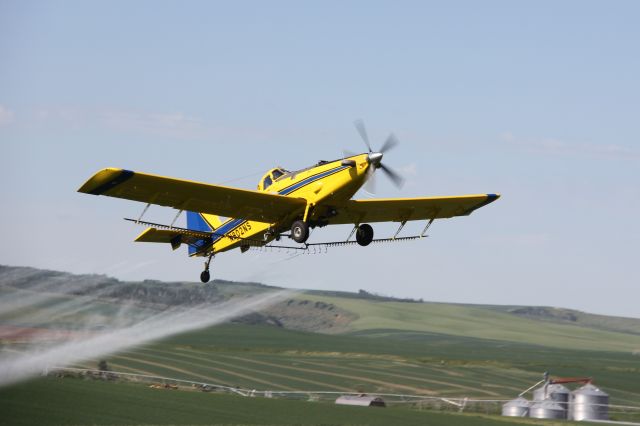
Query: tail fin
{"points": [[196, 222], [203, 223]]}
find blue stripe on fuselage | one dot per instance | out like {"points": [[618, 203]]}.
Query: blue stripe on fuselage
{"points": [[311, 179], [227, 227]]}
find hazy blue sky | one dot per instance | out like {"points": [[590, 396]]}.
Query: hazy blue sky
{"points": [[539, 101]]}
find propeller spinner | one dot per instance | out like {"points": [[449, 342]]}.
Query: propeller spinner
{"points": [[375, 158]]}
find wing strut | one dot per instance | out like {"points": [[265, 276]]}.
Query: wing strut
{"points": [[424, 231], [143, 212], [176, 218], [404, 222], [353, 231]]}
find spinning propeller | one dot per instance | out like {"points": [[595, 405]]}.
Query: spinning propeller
{"points": [[375, 159]]}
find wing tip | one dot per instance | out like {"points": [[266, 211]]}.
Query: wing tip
{"points": [[105, 180], [141, 237], [490, 199]]}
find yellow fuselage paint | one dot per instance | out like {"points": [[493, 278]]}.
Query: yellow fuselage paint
{"points": [[323, 187]]}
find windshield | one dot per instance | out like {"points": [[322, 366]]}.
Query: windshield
{"points": [[267, 182], [277, 173]]}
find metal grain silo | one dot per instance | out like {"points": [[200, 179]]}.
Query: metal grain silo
{"points": [[518, 407], [547, 410], [589, 403], [554, 392]]}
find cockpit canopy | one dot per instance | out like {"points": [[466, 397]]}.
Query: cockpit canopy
{"points": [[271, 176]]}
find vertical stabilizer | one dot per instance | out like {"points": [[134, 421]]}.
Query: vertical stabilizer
{"points": [[196, 222]]}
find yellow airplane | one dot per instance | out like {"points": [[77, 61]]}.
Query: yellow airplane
{"points": [[285, 201]]}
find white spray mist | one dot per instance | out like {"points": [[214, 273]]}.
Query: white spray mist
{"points": [[16, 367]]}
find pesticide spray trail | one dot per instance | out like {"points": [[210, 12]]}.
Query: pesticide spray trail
{"points": [[14, 368], [40, 292]]}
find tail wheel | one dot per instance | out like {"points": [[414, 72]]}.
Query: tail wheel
{"points": [[364, 234], [299, 231], [205, 276]]}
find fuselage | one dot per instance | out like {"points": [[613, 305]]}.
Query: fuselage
{"points": [[325, 187]]}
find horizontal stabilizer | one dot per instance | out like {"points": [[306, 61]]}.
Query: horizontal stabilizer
{"points": [[197, 240], [175, 237]]}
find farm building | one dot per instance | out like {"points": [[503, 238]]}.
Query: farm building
{"points": [[362, 400]]}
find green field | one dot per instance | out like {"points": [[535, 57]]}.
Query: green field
{"points": [[376, 361], [54, 401]]}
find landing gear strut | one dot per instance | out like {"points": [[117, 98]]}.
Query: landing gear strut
{"points": [[205, 276], [299, 231]]}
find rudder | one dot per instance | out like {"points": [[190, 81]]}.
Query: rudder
{"points": [[197, 222]]}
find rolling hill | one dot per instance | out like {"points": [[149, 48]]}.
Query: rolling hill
{"points": [[322, 343], [312, 310]]}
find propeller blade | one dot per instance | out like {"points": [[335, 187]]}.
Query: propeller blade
{"points": [[390, 143], [363, 133], [347, 153], [370, 183], [397, 180]]}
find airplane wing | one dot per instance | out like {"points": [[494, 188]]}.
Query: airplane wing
{"points": [[193, 196], [401, 209]]}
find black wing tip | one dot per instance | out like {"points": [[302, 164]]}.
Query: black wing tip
{"points": [[104, 180]]}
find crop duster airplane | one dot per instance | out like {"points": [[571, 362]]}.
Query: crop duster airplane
{"points": [[285, 201]]}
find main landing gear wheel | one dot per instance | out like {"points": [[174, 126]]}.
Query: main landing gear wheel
{"points": [[364, 235], [299, 231]]}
